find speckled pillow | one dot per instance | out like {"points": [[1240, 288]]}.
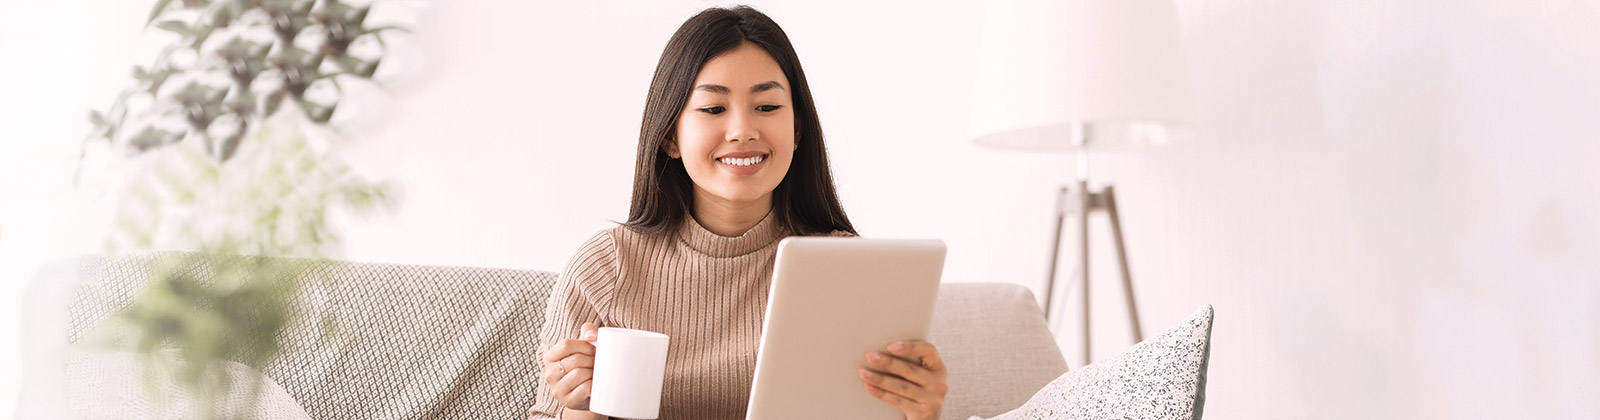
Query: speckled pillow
{"points": [[1161, 378]]}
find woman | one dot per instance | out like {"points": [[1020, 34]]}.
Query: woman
{"points": [[730, 161]]}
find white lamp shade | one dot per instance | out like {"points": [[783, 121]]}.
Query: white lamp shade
{"points": [[1114, 66]]}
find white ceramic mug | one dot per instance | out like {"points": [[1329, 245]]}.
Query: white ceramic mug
{"points": [[629, 366]]}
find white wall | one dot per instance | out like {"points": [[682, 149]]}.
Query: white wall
{"points": [[60, 59], [1389, 203]]}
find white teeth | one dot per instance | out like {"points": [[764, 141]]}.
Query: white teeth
{"points": [[742, 161]]}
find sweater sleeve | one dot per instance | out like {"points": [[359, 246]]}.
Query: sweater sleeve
{"points": [[579, 295]]}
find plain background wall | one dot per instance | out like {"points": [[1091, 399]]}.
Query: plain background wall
{"points": [[1393, 205]]}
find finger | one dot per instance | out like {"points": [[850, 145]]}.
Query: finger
{"points": [[554, 371], [914, 373], [552, 374], [561, 387], [899, 402], [574, 362], [581, 395], [931, 362], [565, 388], [920, 350], [568, 347], [556, 364], [555, 352], [897, 385], [577, 361], [589, 332]]}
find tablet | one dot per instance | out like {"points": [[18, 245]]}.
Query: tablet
{"points": [[832, 301]]}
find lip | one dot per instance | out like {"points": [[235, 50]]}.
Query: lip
{"points": [[737, 155], [743, 170]]}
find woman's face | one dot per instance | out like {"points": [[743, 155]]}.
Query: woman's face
{"points": [[736, 133]]}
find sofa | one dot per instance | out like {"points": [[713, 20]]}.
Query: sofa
{"points": [[421, 341]]}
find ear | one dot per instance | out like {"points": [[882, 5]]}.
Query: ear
{"points": [[670, 145]]}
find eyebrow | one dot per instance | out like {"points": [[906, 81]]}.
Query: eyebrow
{"points": [[762, 87]]}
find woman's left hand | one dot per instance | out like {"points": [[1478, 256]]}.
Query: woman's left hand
{"points": [[911, 377]]}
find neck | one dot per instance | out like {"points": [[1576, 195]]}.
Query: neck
{"points": [[730, 218]]}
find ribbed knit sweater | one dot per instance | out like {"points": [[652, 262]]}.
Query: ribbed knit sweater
{"points": [[707, 292]]}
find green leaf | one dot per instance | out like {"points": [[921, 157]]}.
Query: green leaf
{"points": [[368, 31], [241, 48], [334, 12], [348, 63], [361, 14], [161, 5], [303, 7], [153, 137], [272, 102], [216, 95], [369, 68], [318, 113], [244, 103], [177, 27], [291, 56], [222, 14], [200, 32], [191, 93], [151, 79]]}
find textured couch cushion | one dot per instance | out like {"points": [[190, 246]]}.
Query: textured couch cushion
{"points": [[413, 342], [994, 339], [1162, 378]]}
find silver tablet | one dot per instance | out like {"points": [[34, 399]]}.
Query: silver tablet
{"points": [[832, 301]]}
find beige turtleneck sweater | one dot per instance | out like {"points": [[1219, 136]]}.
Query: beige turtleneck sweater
{"points": [[705, 291]]}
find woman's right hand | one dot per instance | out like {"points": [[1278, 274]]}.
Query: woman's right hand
{"points": [[569, 367]]}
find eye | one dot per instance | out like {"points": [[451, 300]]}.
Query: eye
{"points": [[769, 108], [713, 110]]}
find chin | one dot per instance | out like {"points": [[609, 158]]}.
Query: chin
{"points": [[744, 196], [748, 198]]}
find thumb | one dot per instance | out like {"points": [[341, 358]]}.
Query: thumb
{"points": [[589, 332]]}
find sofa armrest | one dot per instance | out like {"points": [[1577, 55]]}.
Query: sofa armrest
{"points": [[995, 341], [413, 341]]}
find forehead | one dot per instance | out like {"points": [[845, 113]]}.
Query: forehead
{"points": [[741, 67]]}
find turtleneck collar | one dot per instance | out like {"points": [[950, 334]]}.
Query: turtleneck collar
{"points": [[706, 242]]}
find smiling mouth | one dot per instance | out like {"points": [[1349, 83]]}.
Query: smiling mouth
{"points": [[747, 161]]}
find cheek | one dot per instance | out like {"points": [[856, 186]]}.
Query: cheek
{"points": [[783, 131], [691, 136]]}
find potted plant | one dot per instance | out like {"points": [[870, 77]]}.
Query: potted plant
{"points": [[220, 137]]}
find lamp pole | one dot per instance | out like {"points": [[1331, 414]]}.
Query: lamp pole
{"points": [[1082, 201]]}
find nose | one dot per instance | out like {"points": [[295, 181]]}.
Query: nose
{"points": [[741, 126]]}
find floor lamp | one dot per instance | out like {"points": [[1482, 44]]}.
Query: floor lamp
{"points": [[1081, 75]]}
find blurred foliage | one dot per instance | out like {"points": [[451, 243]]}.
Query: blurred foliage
{"points": [[200, 312], [234, 297], [234, 62], [221, 128]]}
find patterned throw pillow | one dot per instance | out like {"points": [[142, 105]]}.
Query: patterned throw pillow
{"points": [[1161, 378]]}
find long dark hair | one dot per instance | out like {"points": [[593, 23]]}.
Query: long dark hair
{"points": [[663, 194]]}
